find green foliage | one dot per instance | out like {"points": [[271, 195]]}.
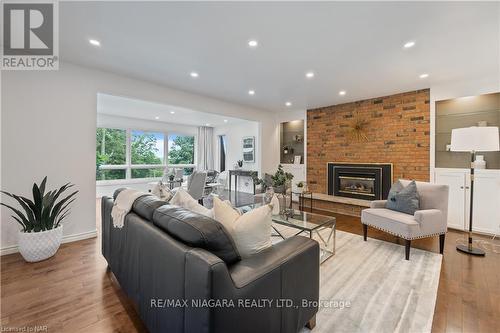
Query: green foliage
{"points": [[44, 212], [182, 150], [144, 150], [281, 177], [110, 149]]}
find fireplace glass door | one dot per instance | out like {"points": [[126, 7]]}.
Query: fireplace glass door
{"points": [[364, 186]]}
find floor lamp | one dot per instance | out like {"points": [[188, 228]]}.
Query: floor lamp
{"points": [[472, 140]]}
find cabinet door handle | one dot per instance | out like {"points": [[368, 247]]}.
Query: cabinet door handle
{"points": [[461, 187]]}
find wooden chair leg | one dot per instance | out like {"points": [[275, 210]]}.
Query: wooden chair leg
{"points": [[441, 243], [311, 323], [365, 231], [407, 249]]}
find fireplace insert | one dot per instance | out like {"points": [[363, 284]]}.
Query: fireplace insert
{"points": [[360, 181]]}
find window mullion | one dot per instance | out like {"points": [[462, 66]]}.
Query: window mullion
{"points": [[128, 155]]}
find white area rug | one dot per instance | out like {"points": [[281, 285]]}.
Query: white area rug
{"points": [[370, 287]]}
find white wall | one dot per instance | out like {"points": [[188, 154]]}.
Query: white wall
{"points": [[48, 128], [234, 136]]}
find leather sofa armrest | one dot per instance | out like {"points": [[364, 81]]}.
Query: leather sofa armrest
{"points": [[378, 203], [257, 266]]}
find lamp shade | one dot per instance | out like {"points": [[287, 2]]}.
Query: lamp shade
{"points": [[475, 139]]}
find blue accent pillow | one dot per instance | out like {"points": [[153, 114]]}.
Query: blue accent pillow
{"points": [[403, 199]]}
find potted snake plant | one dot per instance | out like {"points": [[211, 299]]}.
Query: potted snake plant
{"points": [[41, 229]]}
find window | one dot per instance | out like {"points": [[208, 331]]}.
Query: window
{"points": [[136, 154], [147, 148], [180, 149], [110, 150]]}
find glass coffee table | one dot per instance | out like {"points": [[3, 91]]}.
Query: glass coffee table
{"points": [[306, 222]]}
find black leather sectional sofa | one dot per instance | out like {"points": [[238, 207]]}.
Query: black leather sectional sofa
{"points": [[184, 273]]}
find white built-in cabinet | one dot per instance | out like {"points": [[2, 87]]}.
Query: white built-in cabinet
{"points": [[486, 207]]}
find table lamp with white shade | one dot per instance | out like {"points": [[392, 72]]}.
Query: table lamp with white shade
{"points": [[472, 140]]}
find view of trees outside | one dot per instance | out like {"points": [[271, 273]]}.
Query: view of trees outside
{"points": [[180, 149], [110, 150], [146, 149]]}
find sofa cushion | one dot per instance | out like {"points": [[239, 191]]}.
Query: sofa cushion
{"points": [[403, 199], [197, 230], [393, 222], [143, 206], [146, 205], [183, 199]]}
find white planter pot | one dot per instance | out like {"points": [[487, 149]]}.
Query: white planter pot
{"points": [[37, 246]]}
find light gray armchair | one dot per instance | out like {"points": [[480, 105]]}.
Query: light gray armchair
{"points": [[430, 220]]}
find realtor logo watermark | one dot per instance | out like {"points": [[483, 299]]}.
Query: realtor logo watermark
{"points": [[30, 39]]}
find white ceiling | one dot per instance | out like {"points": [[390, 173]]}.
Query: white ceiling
{"points": [[355, 47], [134, 108]]}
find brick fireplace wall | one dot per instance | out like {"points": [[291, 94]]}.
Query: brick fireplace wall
{"points": [[397, 131]]}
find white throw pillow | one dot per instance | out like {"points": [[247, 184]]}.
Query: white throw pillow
{"points": [[251, 231], [183, 199]]}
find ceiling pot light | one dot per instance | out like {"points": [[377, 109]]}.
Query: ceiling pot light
{"points": [[194, 74], [342, 92], [225, 120], [253, 43], [172, 112], [288, 103], [423, 76], [409, 44], [207, 124], [95, 42], [310, 75], [251, 92], [157, 117]]}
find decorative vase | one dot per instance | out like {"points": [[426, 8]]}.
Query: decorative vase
{"points": [[38, 246], [269, 194], [479, 163]]}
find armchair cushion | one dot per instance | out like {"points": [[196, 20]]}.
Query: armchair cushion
{"points": [[396, 223]]}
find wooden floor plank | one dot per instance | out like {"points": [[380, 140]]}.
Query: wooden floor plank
{"points": [[73, 292]]}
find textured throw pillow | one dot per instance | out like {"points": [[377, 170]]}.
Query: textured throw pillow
{"points": [[162, 191], [403, 199], [184, 200], [251, 231]]}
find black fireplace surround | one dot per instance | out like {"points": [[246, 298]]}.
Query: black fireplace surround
{"points": [[367, 181]]}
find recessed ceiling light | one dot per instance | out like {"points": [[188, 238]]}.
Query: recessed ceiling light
{"points": [[172, 112], [225, 120], [288, 103], [423, 76], [95, 42], [409, 44], [310, 75], [253, 43], [342, 92], [194, 74], [251, 92], [207, 124], [157, 117]]}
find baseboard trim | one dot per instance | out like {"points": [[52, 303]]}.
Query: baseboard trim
{"points": [[66, 239]]}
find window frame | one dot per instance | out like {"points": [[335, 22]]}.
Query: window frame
{"points": [[128, 166]]}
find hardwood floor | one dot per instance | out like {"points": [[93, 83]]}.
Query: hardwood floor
{"points": [[73, 292]]}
